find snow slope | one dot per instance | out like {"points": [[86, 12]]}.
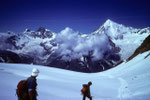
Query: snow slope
{"points": [[128, 81], [129, 44]]}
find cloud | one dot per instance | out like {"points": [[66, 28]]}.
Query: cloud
{"points": [[74, 46], [3, 43]]}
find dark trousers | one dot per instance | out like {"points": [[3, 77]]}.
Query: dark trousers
{"points": [[25, 96], [34, 95], [84, 96]]}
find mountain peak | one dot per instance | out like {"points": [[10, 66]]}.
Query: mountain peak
{"points": [[109, 22], [27, 30], [40, 33], [112, 29]]}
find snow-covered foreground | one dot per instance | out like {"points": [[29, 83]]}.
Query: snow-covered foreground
{"points": [[128, 81]]}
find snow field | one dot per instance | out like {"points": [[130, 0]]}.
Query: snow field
{"points": [[128, 81]]}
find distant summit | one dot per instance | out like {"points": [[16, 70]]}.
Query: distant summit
{"points": [[113, 30], [39, 33], [109, 22]]}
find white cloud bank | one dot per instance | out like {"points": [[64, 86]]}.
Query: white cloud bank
{"points": [[72, 45]]}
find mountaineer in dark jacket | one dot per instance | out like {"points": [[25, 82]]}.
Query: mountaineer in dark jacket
{"points": [[86, 91], [32, 84], [26, 89]]}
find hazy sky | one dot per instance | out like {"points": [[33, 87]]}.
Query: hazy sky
{"points": [[80, 15]]}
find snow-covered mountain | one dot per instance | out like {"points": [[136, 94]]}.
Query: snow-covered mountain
{"points": [[37, 45], [128, 81], [128, 39], [69, 49]]}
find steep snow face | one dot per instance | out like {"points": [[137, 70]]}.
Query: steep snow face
{"points": [[126, 38], [113, 30], [129, 44], [128, 81]]}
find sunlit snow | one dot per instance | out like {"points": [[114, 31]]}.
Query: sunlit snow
{"points": [[128, 81]]}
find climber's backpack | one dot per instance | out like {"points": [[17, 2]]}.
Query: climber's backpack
{"points": [[22, 88], [84, 88]]}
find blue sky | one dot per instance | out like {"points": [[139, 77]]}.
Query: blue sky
{"points": [[81, 15]]}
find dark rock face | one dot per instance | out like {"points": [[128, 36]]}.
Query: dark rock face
{"points": [[87, 64], [43, 33], [12, 40], [39, 33], [41, 30], [9, 57], [26, 59]]}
